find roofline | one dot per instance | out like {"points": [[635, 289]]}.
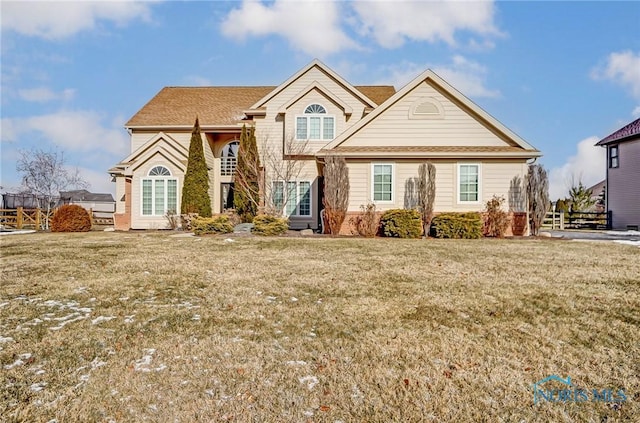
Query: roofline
{"points": [[304, 70], [457, 95], [163, 128], [528, 154], [626, 138]]}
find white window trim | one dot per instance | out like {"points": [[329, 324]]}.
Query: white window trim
{"points": [[296, 212], [611, 156], [321, 116], [479, 200], [393, 182], [153, 192]]}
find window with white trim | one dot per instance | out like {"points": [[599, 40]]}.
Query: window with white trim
{"points": [[468, 183], [295, 199], [382, 182], [229, 158], [159, 192], [613, 156], [315, 124]]}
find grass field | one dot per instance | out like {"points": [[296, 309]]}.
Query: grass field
{"points": [[132, 327]]}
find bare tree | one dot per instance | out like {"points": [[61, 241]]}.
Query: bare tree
{"points": [[517, 198], [336, 192], [537, 196], [426, 194], [277, 165], [44, 174]]}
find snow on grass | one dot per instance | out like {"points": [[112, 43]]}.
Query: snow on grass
{"points": [[627, 242], [143, 364], [101, 319], [310, 381], [19, 362], [4, 340], [296, 363], [624, 233], [37, 387]]}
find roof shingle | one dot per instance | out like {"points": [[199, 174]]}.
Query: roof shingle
{"points": [[625, 132], [179, 106]]}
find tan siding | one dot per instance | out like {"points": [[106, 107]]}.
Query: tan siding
{"points": [[623, 192], [395, 127], [120, 192]]}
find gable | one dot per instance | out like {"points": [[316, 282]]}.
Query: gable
{"points": [[160, 144], [430, 116]]}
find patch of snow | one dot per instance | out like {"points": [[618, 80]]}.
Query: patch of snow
{"points": [[146, 273], [308, 413], [101, 319], [123, 298], [3, 304], [37, 387], [296, 363], [310, 381], [196, 317], [4, 340], [97, 363], [294, 299], [229, 240], [129, 319], [142, 365], [16, 363], [271, 299], [627, 242], [66, 322], [623, 233]]}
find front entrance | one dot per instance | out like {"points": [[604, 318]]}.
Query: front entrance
{"points": [[226, 191]]}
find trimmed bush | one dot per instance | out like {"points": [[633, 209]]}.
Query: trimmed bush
{"points": [[71, 218], [457, 225], [212, 225], [266, 225], [401, 223]]}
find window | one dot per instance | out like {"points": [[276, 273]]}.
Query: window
{"points": [[295, 200], [159, 192], [229, 158], [382, 182], [613, 156], [469, 183], [315, 124]]}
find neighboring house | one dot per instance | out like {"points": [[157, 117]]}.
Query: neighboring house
{"points": [[102, 205], [383, 134], [596, 194], [623, 176]]}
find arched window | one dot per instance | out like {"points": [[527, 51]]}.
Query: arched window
{"points": [[159, 192], [315, 124], [229, 158]]}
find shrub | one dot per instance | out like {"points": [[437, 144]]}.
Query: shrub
{"points": [[267, 225], [496, 220], [212, 225], [457, 225], [71, 218], [401, 223], [172, 219], [367, 223]]}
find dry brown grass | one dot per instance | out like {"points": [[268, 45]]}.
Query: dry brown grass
{"points": [[278, 330]]}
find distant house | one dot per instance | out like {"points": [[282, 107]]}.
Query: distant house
{"points": [[103, 205], [596, 192], [623, 175], [383, 135]]}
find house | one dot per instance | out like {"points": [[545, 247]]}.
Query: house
{"points": [[623, 173], [596, 195], [102, 205], [384, 136]]}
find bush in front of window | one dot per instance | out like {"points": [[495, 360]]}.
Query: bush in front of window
{"points": [[496, 220], [401, 223], [71, 218], [270, 225], [212, 225], [457, 225]]}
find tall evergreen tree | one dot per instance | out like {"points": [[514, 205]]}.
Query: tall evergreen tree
{"points": [[246, 190], [195, 192]]}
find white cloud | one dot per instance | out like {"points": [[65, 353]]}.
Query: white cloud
{"points": [[465, 75], [197, 81], [587, 165], [636, 112], [75, 131], [392, 23], [44, 94], [622, 68], [312, 27], [56, 20]]}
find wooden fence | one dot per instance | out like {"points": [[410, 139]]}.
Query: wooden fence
{"points": [[577, 220], [37, 219]]}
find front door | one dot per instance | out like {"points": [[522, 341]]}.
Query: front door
{"points": [[227, 196]]}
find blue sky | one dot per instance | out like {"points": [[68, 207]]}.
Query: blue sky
{"points": [[560, 74]]}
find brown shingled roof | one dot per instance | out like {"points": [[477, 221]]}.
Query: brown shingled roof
{"points": [[429, 149], [213, 105], [178, 106]]}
